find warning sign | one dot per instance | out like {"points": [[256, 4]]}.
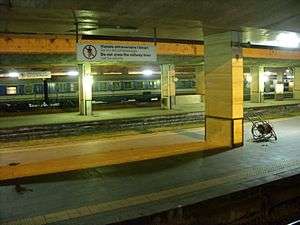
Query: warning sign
{"points": [[106, 52], [89, 52]]}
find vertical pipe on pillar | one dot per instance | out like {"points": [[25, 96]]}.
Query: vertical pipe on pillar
{"points": [[168, 88], [257, 84], [200, 81], [224, 89], [85, 89], [296, 83], [46, 95]]}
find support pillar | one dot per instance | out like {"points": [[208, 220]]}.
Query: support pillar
{"points": [[168, 88], [297, 83], [46, 92], [279, 88], [85, 89], [257, 84], [200, 82], [224, 89]]}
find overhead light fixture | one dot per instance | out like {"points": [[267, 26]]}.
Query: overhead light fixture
{"points": [[288, 40], [13, 74], [283, 39], [72, 73], [147, 72], [112, 73], [119, 28], [267, 73]]}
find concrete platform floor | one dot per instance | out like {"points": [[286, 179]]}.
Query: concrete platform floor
{"points": [[114, 193], [57, 118], [28, 158], [49, 149]]}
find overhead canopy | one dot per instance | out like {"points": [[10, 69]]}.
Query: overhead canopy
{"points": [[178, 19]]}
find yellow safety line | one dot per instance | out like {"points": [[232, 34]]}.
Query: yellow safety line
{"points": [[88, 210]]}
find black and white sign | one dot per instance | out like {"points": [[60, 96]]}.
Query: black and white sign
{"points": [[107, 52], [35, 75], [89, 52]]}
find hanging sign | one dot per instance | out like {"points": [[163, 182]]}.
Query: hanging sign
{"points": [[35, 75], [108, 52]]}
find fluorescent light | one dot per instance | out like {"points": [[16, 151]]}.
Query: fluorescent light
{"points": [[267, 73], [112, 73], [147, 72], [288, 39], [72, 73], [294, 223], [283, 39], [13, 74]]}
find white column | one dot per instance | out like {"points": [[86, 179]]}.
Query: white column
{"points": [[85, 89], [168, 88], [257, 84], [279, 88]]}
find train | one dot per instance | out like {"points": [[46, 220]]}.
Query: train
{"points": [[62, 91]]}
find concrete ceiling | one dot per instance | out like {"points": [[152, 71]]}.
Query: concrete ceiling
{"points": [[260, 20]]}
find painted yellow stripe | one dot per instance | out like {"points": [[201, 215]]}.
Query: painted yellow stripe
{"points": [[12, 44], [246, 174], [270, 54], [67, 45]]}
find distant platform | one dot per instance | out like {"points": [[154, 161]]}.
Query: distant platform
{"points": [[108, 114], [29, 127], [159, 190]]}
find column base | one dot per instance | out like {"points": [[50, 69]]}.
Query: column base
{"points": [[224, 132], [85, 108], [168, 102], [202, 98], [257, 98], [297, 95]]}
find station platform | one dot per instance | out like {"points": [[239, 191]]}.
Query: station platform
{"points": [[125, 113], [110, 194]]}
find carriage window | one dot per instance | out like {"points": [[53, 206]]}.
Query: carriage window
{"points": [[21, 90], [11, 90], [139, 85], [51, 87], [116, 86], [72, 89], [145, 84], [38, 88], [96, 86], [103, 86], [127, 85]]}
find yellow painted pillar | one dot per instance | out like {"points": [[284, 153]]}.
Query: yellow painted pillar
{"points": [[200, 82], [257, 84], [85, 89], [168, 88], [297, 83], [224, 89]]}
